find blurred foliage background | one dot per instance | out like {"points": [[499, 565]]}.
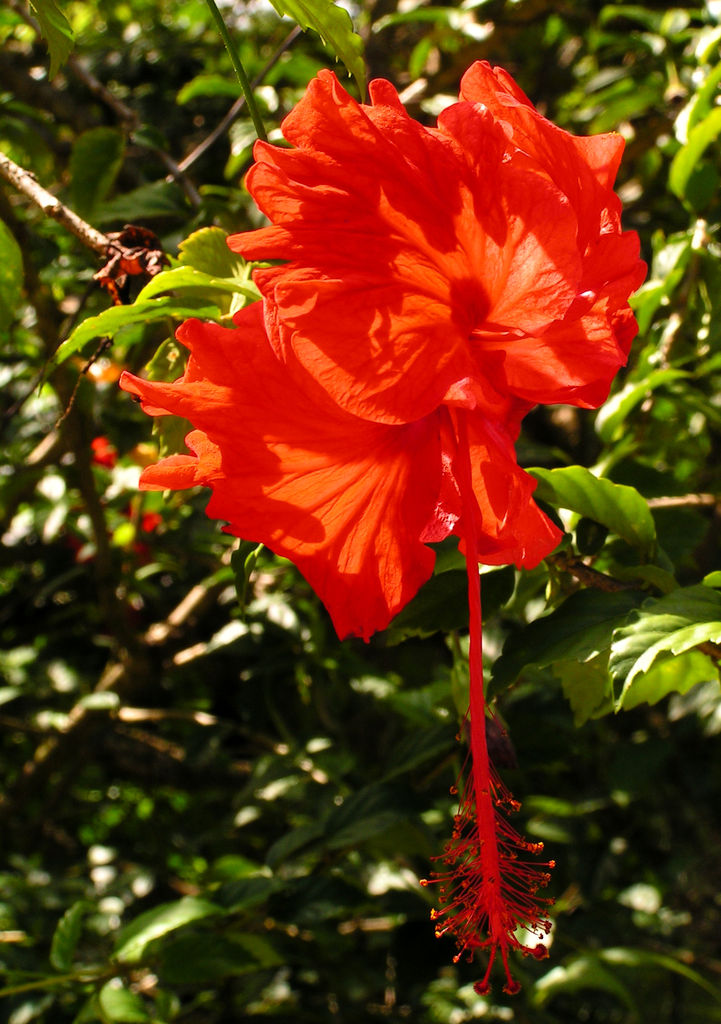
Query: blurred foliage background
{"points": [[214, 811]]}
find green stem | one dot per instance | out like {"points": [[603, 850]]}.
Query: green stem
{"points": [[79, 977], [239, 69]]}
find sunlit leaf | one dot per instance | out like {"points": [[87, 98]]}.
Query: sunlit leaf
{"points": [[686, 160], [120, 1005], [333, 24], [207, 250], [112, 320], [136, 936], [579, 973], [612, 416], [188, 279], [620, 508], [56, 32], [578, 629], [66, 936], [11, 276], [670, 625], [586, 686]]}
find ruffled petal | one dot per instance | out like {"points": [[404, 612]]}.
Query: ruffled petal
{"points": [[403, 245], [345, 499], [574, 360], [584, 168], [510, 527]]}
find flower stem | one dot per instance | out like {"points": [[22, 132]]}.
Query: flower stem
{"points": [[239, 69]]}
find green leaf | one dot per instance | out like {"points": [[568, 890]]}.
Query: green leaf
{"points": [[243, 562], [184, 279], [670, 625], [110, 321], [686, 160], [579, 629], [95, 161], [119, 1004], [135, 937], [66, 936], [207, 250], [614, 414], [154, 199], [11, 276], [586, 686], [668, 675], [293, 842], [56, 31], [208, 85], [582, 972], [333, 24], [203, 959], [622, 509], [362, 815], [639, 958]]}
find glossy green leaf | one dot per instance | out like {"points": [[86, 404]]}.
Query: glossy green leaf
{"points": [[620, 508], [208, 85], [56, 31], [188, 279], [583, 972], [586, 686], [118, 1004], [95, 161], [579, 629], [668, 675], [686, 160], [136, 936], [207, 250], [612, 416], [243, 562], [639, 958], [66, 936], [152, 200], [11, 276], [670, 625], [110, 321], [333, 24], [202, 958]]}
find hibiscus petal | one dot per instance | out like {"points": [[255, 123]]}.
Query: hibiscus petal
{"points": [[510, 527], [583, 168], [574, 360], [345, 499], [401, 241]]}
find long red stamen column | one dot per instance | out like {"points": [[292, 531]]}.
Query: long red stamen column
{"points": [[489, 888]]}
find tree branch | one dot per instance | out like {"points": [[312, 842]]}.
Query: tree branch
{"points": [[51, 206]]}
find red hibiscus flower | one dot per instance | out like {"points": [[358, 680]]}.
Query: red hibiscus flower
{"points": [[448, 264], [351, 501], [437, 283]]}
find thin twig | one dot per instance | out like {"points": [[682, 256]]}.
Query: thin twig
{"points": [[588, 576], [685, 501], [222, 127], [51, 206]]}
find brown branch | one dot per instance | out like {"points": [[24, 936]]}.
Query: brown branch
{"points": [[51, 206], [586, 575], [685, 501]]}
